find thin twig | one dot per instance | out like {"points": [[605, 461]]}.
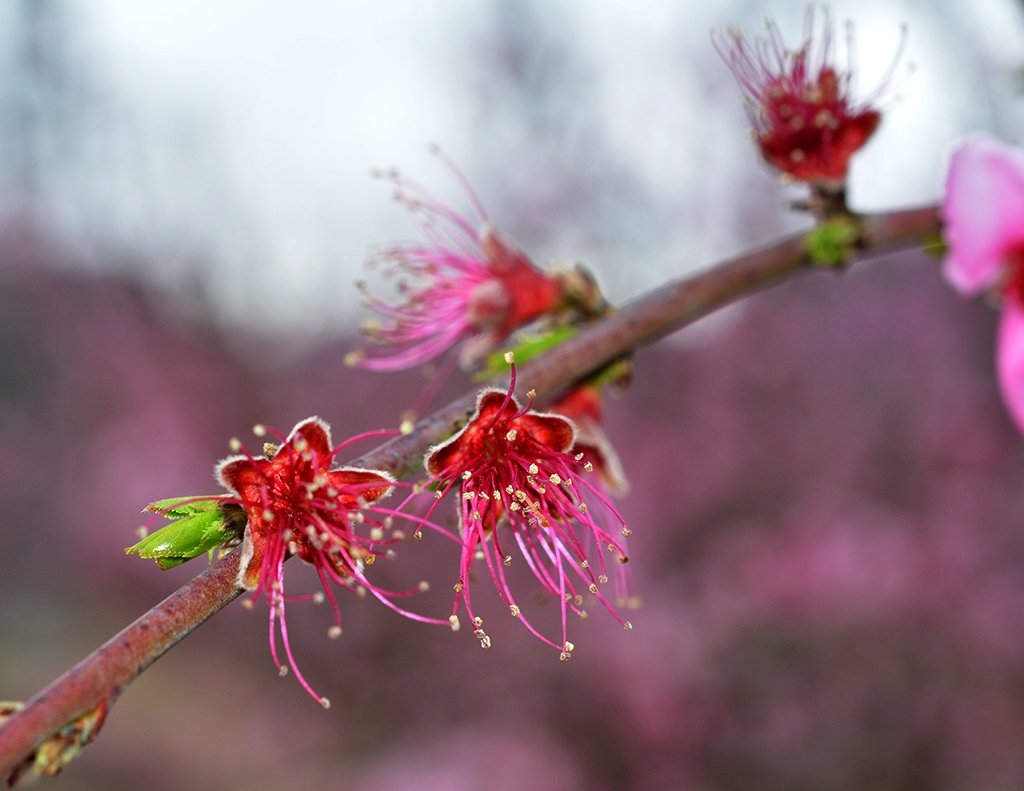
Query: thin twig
{"points": [[104, 674]]}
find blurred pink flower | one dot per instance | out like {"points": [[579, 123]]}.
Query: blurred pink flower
{"points": [[470, 286], [805, 119], [984, 215], [513, 463], [296, 505]]}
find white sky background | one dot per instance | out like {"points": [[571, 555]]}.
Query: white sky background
{"points": [[222, 150]]}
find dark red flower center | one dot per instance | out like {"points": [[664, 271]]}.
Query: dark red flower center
{"points": [[1013, 285], [812, 133]]}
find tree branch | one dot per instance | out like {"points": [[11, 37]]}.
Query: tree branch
{"points": [[100, 678]]}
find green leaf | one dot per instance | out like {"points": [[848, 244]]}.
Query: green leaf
{"points": [[201, 530], [529, 346], [178, 507], [832, 242]]}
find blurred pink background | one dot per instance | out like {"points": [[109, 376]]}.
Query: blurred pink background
{"points": [[827, 499]]}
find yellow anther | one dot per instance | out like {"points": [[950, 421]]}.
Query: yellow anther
{"points": [[510, 357], [514, 610], [259, 430], [555, 478], [589, 467], [334, 632], [534, 469]]}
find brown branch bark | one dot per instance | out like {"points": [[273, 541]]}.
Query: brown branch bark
{"points": [[103, 676]]}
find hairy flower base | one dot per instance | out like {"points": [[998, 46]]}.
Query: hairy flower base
{"points": [[296, 505], [513, 468]]}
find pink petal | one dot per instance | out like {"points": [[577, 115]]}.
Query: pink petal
{"points": [[239, 475], [317, 435], [440, 457], [548, 429], [361, 482], [983, 211], [1010, 361]]}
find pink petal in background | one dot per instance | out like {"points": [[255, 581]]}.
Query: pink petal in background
{"points": [[1010, 360], [983, 210]]}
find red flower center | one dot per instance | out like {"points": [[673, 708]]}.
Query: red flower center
{"points": [[1013, 286]]}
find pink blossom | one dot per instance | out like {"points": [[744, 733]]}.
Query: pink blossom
{"points": [[984, 214], [296, 505], [800, 104], [466, 285], [513, 466]]}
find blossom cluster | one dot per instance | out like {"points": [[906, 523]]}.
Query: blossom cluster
{"points": [[537, 484], [514, 468]]}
